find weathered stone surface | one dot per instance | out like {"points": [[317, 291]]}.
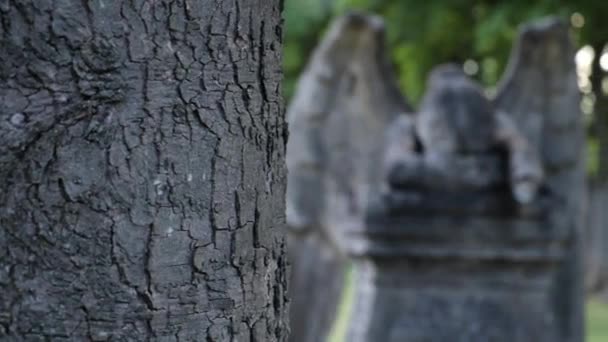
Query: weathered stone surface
{"points": [[456, 118], [453, 251], [426, 302], [540, 92], [316, 282], [443, 266], [423, 171], [344, 102]]}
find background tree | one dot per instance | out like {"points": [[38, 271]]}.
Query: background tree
{"points": [[142, 177]]}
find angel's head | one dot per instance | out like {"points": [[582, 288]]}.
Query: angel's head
{"points": [[354, 31], [455, 113]]}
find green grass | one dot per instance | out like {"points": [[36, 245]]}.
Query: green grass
{"points": [[597, 321], [338, 331]]}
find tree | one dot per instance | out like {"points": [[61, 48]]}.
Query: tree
{"points": [[142, 175]]}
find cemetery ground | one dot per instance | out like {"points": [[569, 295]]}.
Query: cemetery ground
{"points": [[597, 320]]}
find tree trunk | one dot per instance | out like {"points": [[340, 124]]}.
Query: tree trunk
{"points": [[142, 175], [600, 112], [595, 238], [596, 267]]}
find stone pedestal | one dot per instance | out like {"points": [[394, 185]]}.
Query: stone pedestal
{"points": [[439, 266]]}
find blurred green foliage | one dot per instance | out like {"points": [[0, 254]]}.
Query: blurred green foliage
{"points": [[597, 321], [422, 34]]}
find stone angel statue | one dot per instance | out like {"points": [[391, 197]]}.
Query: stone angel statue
{"points": [[354, 139], [456, 119], [528, 138]]}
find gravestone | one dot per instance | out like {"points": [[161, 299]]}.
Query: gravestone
{"points": [[344, 100], [477, 236]]}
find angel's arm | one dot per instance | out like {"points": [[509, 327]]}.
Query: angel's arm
{"points": [[525, 168], [401, 162]]}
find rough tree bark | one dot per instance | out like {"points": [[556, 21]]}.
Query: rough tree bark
{"points": [[141, 171]]}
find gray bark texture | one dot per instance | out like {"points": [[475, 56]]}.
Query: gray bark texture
{"points": [[142, 172], [345, 100]]}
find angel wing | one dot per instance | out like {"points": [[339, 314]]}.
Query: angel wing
{"points": [[344, 101], [539, 91]]}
